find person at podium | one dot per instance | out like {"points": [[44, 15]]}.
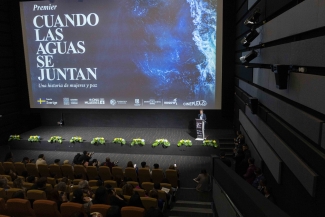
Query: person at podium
{"points": [[202, 116]]}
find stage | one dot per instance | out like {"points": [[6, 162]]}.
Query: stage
{"points": [[173, 135]]}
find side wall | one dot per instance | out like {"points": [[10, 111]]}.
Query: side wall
{"points": [[288, 131]]}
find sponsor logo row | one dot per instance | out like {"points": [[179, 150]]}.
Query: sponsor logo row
{"points": [[113, 102]]}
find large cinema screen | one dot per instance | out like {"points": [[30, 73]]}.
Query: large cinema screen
{"points": [[125, 54]]}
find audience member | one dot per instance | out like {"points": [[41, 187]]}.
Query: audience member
{"points": [[203, 181], [108, 163], [259, 176], [173, 167], [127, 189], [114, 199], [101, 196], [66, 162], [57, 162], [31, 179], [268, 194], [144, 165], [85, 157], [19, 195], [135, 200], [262, 184], [40, 184], [249, 175], [130, 164], [119, 181], [79, 198], [84, 186], [224, 159], [4, 183], [40, 160], [11, 173], [61, 186], [19, 183], [9, 157], [94, 162], [57, 197], [156, 166], [100, 183], [26, 160], [154, 194], [25, 175]]}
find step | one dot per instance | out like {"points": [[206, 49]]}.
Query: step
{"points": [[188, 209], [193, 202]]}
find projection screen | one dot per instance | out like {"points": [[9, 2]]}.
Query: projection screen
{"points": [[123, 54]]}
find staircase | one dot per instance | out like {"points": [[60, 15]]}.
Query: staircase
{"points": [[190, 203], [227, 145]]}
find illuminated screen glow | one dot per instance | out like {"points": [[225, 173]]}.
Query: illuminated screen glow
{"points": [[132, 54]]}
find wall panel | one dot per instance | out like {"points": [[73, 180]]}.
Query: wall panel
{"points": [[270, 158], [302, 171], [302, 121]]}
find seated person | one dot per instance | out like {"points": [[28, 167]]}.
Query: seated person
{"points": [[108, 163], [84, 186], [259, 177], [79, 198], [203, 181]]}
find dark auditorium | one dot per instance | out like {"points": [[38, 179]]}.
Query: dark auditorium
{"points": [[162, 108]]}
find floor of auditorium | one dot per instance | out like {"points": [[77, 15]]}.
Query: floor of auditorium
{"points": [[188, 201]]}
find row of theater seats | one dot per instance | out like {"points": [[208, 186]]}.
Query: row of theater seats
{"points": [[41, 208], [40, 195], [91, 172]]}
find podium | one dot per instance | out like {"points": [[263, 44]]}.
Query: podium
{"points": [[200, 129]]}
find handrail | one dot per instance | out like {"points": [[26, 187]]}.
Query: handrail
{"points": [[238, 213]]}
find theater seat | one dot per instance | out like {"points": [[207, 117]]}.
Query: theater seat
{"points": [[117, 172], [80, 170], [157, 175], [172, 177], [147, 186], [144, 175], [134, 184], [36, 195], [20, 168], [148, 202], [141, 192], [130, 173], [9, 166], [132, 211], [43, 170], [11, 192], [101, 208], [46, 208], [2, 193], [92, 172], [105, 173], [55, 169], [67, 209], [67, 171], [92, 183], [3, 207], [111, 182], [20, 208], [32, 170]]}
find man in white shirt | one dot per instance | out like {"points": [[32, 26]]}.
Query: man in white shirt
{"points": [[40, 160]]}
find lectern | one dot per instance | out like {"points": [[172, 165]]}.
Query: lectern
{"points": [[200, 129]]}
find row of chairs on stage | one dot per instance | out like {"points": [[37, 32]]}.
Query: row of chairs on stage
{"points": [[41, 208], [92, 172]]}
